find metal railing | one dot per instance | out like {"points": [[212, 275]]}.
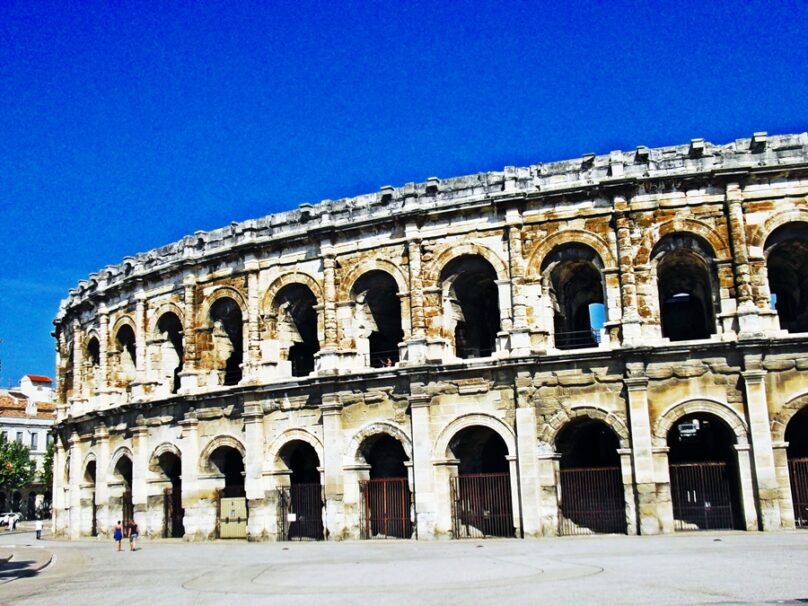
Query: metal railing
{"points": [[482, 506], [383, 358], [577, 339], [592, 501], [798, 470], [386, 507], [701, 495], [300, 512]]}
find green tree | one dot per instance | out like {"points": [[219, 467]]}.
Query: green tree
{"points": [[47, 466], [17, 470]]}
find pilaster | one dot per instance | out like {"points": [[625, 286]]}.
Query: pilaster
{"points": [[422, 465], [642, 456], [333, 486], [102, 459], [527, 438], [140, 463]]}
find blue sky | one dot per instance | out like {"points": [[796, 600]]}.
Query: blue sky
{"points": [[125, 126]]}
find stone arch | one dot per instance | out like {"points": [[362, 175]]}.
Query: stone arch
{"points": [[160, 311], [220, 293], [540, 251], [273, 451], [676, 411], [453, 251], [372, 429], [292, 277], [366, 266], [693, 227], [165, 447], [89, 458], [120, 452], [780, 422], [564, 416], [125, 320], [213, 444], [440, 448], [762, 232]]}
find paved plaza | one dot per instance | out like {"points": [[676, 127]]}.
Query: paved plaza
{"points": [[697, 568]]}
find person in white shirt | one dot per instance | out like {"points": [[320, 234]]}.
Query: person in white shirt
{"points": [[38, 528]]}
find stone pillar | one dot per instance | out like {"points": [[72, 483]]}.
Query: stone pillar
{"points": [[784, 481], [757, 410], [627, 473], [257, 524], [520, 333], [140, 336], [60, 500], [644, 480], [417, 346], [662, 473], [548, 467], [140, 464], [327, 357], [527, 439], [444, 470], [333, 486], [188, 378], [422, 466], [748, 320], [103, 346], [252, 344], [75, 477], [78, 355], [513, 471], [102, 458], [628, 284], [190, 473], [746, 481]]}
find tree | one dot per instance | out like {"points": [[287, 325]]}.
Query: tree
{"points": [[17, 470], [47, 466]]}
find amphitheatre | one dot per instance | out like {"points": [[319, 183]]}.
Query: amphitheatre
{"points": [[614, 343]]}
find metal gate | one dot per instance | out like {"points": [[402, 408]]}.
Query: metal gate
{"points": [[798, 470], [172, 514], [592, 501], [128, 511], [300, 512], [386, 504], [482, 505], [701, 495], [232, 517]]}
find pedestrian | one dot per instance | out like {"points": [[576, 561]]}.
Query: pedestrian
{"points": [[38, 527], [118, 535], [14, 523], [133, 532]]}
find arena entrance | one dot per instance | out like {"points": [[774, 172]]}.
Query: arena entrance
{"points": [[300, 505], [482, 503], [797, 438], [386, 499], [231, 508], [703, 464], [123, 473], [592, 493], [173, 513]]}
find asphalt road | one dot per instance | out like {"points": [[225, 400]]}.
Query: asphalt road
{"points": [[694, 568]]}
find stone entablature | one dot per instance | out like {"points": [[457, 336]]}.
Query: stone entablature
{"points": [[632, 290]]}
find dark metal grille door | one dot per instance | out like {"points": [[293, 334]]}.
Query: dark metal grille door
{"points": [[386, 504], [798, 469], [592, 501], [128, 512], [300, 512], [481, 505], [172, 514], [701, 495]]}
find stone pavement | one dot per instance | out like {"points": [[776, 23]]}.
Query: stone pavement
{"points": [[725, 568]]}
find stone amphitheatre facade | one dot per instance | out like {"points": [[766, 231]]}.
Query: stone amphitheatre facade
{"points": [[615, 343]]}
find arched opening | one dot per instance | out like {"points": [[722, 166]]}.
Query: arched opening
{"points": [[88, 496], [786, 251], [170, 466], [67, 366], [686, 284], [231, 515], [169, 341], [126, 356], [703, 463], [386, 498], [296, 311], [481, 491], [576, 281], [123, 477], [592, 493], [302, 503], [471, 305], [797, 452], [92, 364], [378, 318], [227, 339]]}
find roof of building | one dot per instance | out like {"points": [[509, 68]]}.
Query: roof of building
{"points": [[12, 407], [39, 379]]}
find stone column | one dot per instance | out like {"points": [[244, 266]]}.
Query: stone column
{"points": [[627, 473], [252, 345], [103, 346], [333, 486], [140, 336], [444, 470], [327, 357], [422, 466], [505, 318], [662, 473], [75, 477], [417, 345], [628, 284], [513, 464], [188, 375], [746, 481], [102, 458], [642, 458], [520, 333], [59, 505], [526, 444], [784, 481], [748, 320], [78, 355], [190, 474], [548, 467], [757, 410], [140, 464], [257, 525]]}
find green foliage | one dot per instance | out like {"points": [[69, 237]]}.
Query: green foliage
{"points": [[47, 466], [17, 470]]}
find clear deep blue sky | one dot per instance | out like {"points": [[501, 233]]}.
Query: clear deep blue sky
{"points": [[124, 127]]}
